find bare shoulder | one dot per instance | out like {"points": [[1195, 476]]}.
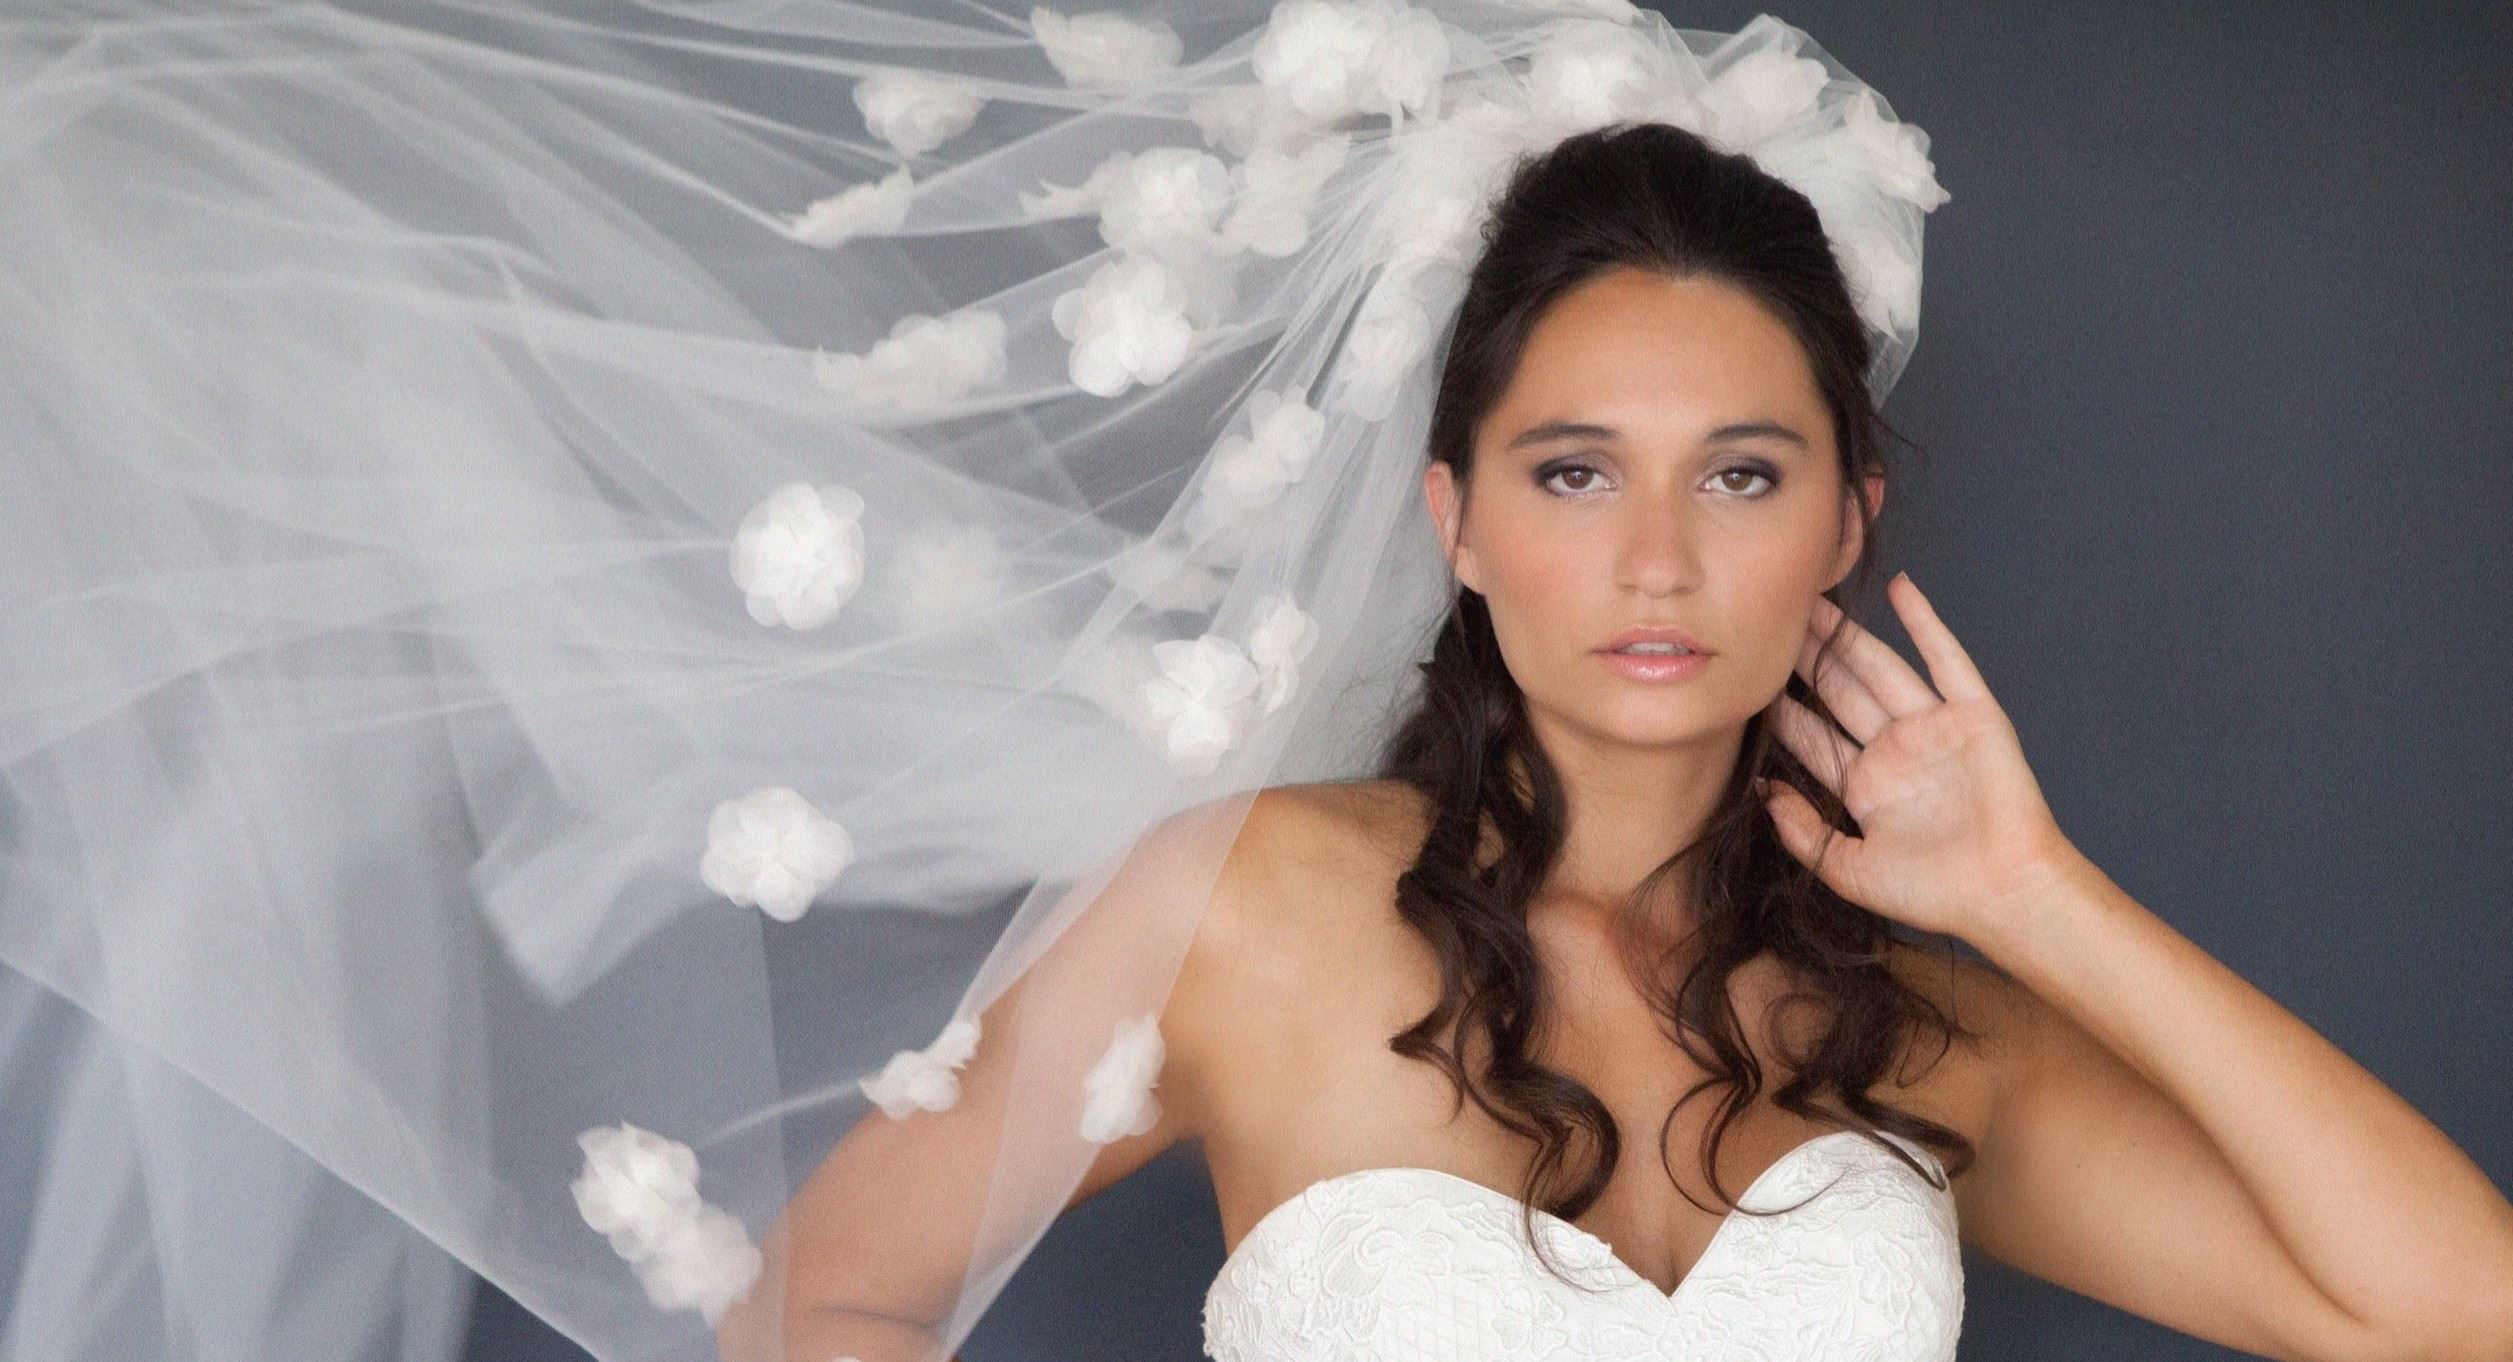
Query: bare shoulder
{"points": [[1991, 1023], [1304, 862], [1270, 877], [1376, 821], [1304, 850]]}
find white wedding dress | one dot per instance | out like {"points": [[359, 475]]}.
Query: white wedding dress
{"points": [[1419, 1265]]}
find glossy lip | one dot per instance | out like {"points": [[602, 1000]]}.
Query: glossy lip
{"points": [[1655, 666], [1655, 634]]}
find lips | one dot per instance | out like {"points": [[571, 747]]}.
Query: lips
{"points": [[1659, 634], [1654, 668]]}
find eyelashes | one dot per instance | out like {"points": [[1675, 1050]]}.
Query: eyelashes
{"points": [[1589, 477]]}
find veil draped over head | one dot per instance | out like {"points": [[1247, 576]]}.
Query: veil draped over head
{"points": [[619, 617]]}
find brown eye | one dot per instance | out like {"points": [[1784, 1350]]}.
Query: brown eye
{"points": [[1575, 477], [1745, 472]]}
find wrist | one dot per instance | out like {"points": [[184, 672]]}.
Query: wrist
{"points": [[2057, 879]]}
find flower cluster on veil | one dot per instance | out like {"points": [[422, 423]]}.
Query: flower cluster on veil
{"points": [[1338, 90]]}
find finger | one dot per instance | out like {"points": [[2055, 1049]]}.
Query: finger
{"points": [[1853, 705], [1824, 750], [1896, 686], [1805, 835], [1948, 664], [1786, 808]]}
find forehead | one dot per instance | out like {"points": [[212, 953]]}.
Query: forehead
{"points": [[1659, 357]]}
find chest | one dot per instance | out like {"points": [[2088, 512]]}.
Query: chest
{"points": [[1319, 1094]]}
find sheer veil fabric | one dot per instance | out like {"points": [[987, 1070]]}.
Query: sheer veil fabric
{"points": [[619, 612]]}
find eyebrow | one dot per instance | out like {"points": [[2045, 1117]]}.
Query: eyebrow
{"points": [[1550, 431]]}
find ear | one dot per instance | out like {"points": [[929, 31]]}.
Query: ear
{"points": [[1853, 531], [1446, 499]]}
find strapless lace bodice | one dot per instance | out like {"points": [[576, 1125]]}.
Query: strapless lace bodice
{"points": [[1414, 1264]]}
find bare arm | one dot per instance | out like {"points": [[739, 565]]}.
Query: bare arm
{"points": [[2165, 1137], [870, 1255], [2177, 1144]]}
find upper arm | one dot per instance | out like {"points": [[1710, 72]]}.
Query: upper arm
{"points": [[1198, 1015], [873, 1249], [2091, 1177]]}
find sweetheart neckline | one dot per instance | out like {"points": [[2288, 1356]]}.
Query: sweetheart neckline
{"points": [[1718, 1235]]}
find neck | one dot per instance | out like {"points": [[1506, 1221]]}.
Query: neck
{"points": [[1628, 809]]}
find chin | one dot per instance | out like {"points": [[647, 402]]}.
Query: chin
{"points": [[1652, 721]]}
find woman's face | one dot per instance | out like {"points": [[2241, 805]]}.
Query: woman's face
{"points": [[1661, 458]]}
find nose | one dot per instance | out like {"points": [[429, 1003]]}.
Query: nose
{"points": [[1659, 553]]}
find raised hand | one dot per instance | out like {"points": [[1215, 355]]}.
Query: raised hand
{"points": [[1952, 822]]}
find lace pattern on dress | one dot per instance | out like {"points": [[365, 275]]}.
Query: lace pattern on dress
{"points": [[1415, 1264]]}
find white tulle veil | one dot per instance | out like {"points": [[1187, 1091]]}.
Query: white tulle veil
{"points": [[600, 600]]}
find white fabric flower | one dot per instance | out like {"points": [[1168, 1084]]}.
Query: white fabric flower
{"points": [[1242, 120], [1274, 191], [799, 554], [1589, 73], [1759, 95], [1328, 59], [1167, 193], [1128, 325], [916, 111], [773, 849], [873, 206], [1884, 280], [1117, 1099], [1250, 471], [1313, 52], [924, 364], [924, 1080], [947, 569], [1106, 51], [1894, 153], [1146, 200], [635, 1184], [703, 1263], [640, 1189], [1409, 65], [1284, 634], [1200, 699]]}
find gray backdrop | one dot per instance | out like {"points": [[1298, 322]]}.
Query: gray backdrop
{"points": [[2212, 394]]}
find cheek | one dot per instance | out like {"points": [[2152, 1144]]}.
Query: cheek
{"points": [[1533, 571], [1541, 586], [1543, 589], [1770, 596]]}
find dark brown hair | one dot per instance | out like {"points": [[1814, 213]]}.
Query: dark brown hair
{"points": [[1654, 197]]}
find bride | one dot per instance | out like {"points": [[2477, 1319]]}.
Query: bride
{"points": [[1492, 979], [709, 657]]}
